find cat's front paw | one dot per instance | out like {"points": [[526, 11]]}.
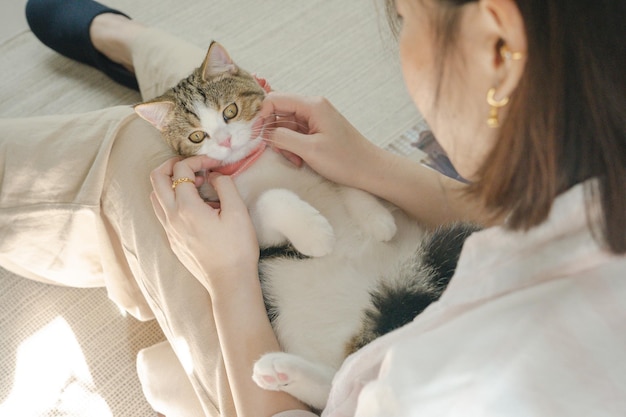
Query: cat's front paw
{"points": [[315, 238], [372, 217], [381, 227], [280, 214]]}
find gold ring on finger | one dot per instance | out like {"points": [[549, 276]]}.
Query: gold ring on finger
{"points": [[176, 183]]}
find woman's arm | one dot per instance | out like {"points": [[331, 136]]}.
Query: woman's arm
{"points": [[218, 245], [315, 131], [245, 334], [427, 195]]}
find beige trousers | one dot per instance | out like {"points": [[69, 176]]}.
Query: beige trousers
{"points": [[75, 210]]}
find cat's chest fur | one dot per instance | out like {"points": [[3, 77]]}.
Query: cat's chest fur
{"points": [[272, 171]]}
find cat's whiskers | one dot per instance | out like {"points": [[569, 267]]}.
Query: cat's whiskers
{"points": [[282, 123], [258, 131], [299, 127]]}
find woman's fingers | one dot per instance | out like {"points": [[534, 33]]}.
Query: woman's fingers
{"points": [[174, 169], [285, 104], [291, 157], [184, 177], [161, 179], [291, 111], [229, 197], [299, 122], [290, 141]]}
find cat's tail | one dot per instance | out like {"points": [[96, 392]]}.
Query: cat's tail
{"points": [[417, 282]]}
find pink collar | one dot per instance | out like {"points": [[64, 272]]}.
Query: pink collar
{"points": [[238, 167]]}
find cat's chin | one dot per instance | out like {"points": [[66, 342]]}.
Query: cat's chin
{"points": [[239, 153]]}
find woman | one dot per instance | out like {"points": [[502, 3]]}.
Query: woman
{"points": [[509, 89], [529, 105]]}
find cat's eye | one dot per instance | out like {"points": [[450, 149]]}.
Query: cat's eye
{"points": [[197, 136], [230, 112]]}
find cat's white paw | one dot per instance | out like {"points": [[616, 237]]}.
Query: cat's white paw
{"points": [[273, 371], [373, 218], [316, 238], [280, 214], [307, 381], [381, 226]]}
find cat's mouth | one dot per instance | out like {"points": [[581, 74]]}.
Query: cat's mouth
{"points": [[234, 152], [241, 165]]}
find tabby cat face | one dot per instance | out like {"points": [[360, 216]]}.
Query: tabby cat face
{"points": [[212, 112]]}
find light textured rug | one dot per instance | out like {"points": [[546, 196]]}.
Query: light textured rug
{"points": [[68, 352], [71, 352]]}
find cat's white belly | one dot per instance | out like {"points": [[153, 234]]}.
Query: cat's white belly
{"points": [[318, 307], [320, 300]]}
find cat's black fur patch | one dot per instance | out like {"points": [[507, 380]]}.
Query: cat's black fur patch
{"points": [[397, 303], [441, 251], [394, 306], [273, 252], [284, 251]]}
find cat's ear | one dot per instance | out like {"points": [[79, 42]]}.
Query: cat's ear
{"points": [[155, 112], [217, 62]]}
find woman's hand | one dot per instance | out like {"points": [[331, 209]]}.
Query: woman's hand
{"points": [[312, 129], [217, 244]]}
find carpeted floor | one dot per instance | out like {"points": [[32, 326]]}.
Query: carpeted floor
{"points": [[71, 352]]}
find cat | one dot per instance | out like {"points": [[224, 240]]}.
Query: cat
{"points": [[336, 262]]}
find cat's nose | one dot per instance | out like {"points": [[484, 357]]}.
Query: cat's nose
{"points": [[226, 142]]}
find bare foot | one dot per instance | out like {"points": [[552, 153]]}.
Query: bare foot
{"points": [[112, 35]]}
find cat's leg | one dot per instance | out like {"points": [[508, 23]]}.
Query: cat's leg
{"points": [[281, 215], [371, 215], [307, 381]]}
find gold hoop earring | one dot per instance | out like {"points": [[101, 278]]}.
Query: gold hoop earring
{"points": [[493, 121]]}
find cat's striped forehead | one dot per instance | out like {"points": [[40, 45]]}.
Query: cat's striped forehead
{"points": [[218, 93]]}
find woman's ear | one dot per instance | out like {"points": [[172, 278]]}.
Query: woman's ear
{"points": [[507, 43]]}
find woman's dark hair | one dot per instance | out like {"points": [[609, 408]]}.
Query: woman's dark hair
{"points": [[566, 121]]}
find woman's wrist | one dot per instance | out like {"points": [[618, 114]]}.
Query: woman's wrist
{"points": [[377, 171], [423, 193], [230, 283], [365, 165]]}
